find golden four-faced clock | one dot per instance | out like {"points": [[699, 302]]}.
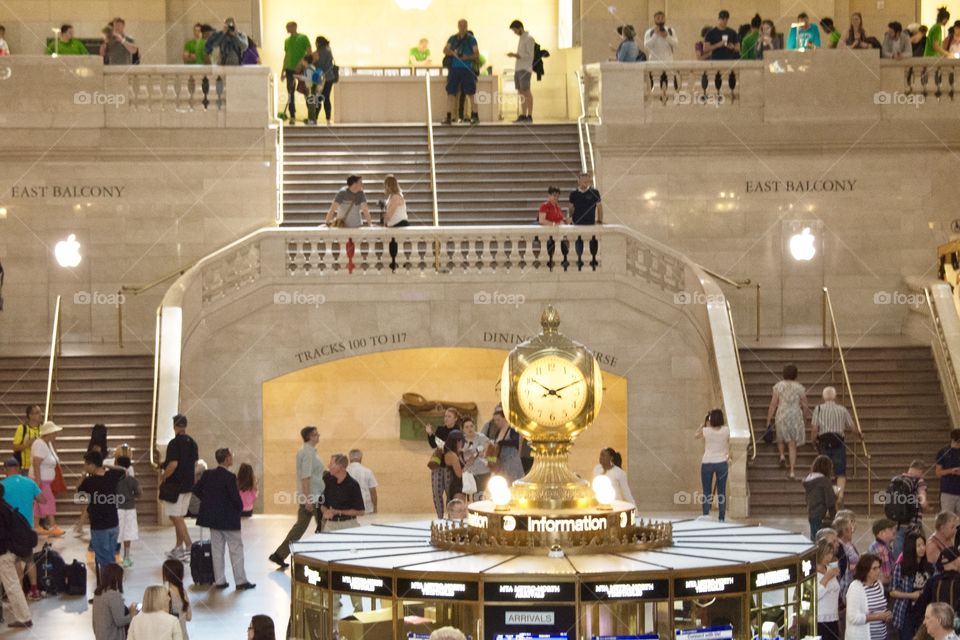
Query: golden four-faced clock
{"points": [[551, 386]]}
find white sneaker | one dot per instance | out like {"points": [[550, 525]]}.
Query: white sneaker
{"points": [[703, 518], [174, 554]]}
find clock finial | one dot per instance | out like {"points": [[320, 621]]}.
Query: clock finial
{"points": [[550, 319]]}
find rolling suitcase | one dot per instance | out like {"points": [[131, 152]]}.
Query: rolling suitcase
{"points": [[201, 561]]}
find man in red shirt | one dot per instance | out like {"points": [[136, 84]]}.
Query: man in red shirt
{"points": [[550, 212]]}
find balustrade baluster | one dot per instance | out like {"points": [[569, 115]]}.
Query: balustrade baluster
{"points": [[322, 257], [564, 250], [393, 255], [335, 253], [704, 83], [508, 253], [522, 247], [187, 87], [924, 77], [407, 253], [536, 246], [364, 247], [292, 257], [908, 78], [594, 250], [551, 249], [307, 249], [479, 247], [378, 252], [493, 246], [143, 92], [205, 90], [950, 80], [578, 249], [351, 249], [170, 92], [451, 247], [938, 81], [221, 88], [422, 252], [464, 255], [732, 82]]}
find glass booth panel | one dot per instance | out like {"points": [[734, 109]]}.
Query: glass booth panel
{"points": [[362, 617], [311, 612], [421, 617], [705, 612], [628, 618]]}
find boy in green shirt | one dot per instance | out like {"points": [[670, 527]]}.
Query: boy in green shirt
{"points": [[193, 50], [748, 45], [420, 55], [934, 47], [66, 45]]}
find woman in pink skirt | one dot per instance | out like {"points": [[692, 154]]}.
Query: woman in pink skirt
{"points": [[43, 466]]}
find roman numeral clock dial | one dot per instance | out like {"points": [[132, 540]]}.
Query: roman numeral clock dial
{"points": [[551, 391]]}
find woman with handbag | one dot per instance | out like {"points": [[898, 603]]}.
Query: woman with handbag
{"points": [[453, 460], [439, 474], [507, 441], [45, 466], [331, 74]]}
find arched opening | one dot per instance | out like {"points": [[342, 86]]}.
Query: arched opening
{"points": [[354, 402]]}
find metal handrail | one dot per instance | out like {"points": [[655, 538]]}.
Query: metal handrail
{"points": [[54, 360], [433, 158], [156, 391], [835, 344], [743, 382], [944, 349], [583, 129], [739, 284], [135, 291]]}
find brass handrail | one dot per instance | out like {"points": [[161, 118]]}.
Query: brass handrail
{"points": [[156, 392], [739, 284], [54, 360], [835, 344], [942, 340], [433, 158], [743, 383], [135, 291]]}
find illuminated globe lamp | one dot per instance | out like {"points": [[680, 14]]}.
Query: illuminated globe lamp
{"points": [[551, 391]]}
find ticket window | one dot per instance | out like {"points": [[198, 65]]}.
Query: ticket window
{"points": [[709, 612], [421, 617], [627, 618]]}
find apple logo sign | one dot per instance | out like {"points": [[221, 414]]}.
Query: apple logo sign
{"points": [[67, 252], [509, 523], [803, 245]]}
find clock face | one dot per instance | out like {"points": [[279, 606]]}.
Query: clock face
{"points": [[551, 391]]}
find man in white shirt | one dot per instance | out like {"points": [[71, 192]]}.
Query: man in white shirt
{"points": [[365, 478], [523, 71], [660, 41]]}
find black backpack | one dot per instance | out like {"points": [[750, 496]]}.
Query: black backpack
{"points": [[901, 501], [19, 538], [51, 570]]}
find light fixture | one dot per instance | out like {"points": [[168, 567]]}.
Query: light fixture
{"points": [[3, 213], [67, 252], [604, 491], [803, 245], [499, 492]]}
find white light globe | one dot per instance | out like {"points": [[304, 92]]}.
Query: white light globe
{"points": [[499, 491], [67, 252], [803, 245], [603, 490]]}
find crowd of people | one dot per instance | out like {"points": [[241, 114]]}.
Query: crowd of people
{"points": [[660, 43], [350, 208]]}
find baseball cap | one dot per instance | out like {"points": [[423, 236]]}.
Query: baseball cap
{"points": [[180, 420], [11, 462]]}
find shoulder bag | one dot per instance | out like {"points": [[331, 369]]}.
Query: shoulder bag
{"points": [[436, 459], [59, 485]]}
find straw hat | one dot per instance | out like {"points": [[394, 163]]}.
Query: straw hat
{"points": [[49, 427]]}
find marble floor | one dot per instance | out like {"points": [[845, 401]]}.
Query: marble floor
{"points": [[222, 614]]}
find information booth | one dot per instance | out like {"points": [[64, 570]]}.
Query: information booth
{"points": [[717, 581]]}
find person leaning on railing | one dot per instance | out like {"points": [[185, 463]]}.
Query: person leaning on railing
{"points": [[66, 45], [934, 47], [896, 43]]}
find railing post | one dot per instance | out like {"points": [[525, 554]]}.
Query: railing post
{"points": [[430, 146], [120, 317], [758, 312]]}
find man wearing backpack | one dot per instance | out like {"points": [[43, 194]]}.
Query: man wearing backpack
{"points": [[17, 539], [21, 493], [906, 500]]}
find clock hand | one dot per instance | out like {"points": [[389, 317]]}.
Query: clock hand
{"points": [[569, 385], [548, 389]]}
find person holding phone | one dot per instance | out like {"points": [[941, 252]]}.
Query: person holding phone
{"points": [[716, 451], [828, 591], [910, 573], [722, 42]]}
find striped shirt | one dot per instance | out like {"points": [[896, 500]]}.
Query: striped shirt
{"points": [[876, 603], [831, 417]]}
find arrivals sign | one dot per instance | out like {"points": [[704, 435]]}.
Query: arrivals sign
{"points": [[707, 586], [437, 589], [366, 584], [641, 590], [529, 592]]}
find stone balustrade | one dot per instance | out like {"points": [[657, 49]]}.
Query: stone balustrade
{"points": [[825, 85]]}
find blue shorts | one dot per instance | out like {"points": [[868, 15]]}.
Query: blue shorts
{"points": [[461, 79], [838, 456]]}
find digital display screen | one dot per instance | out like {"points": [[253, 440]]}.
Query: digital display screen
{"points": [[306, 574], [772, 578], [641, 590], [712, 585], [423, 589], [529, 592], [648, 636], [368, 584], [534, 621], [722, 632]]}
